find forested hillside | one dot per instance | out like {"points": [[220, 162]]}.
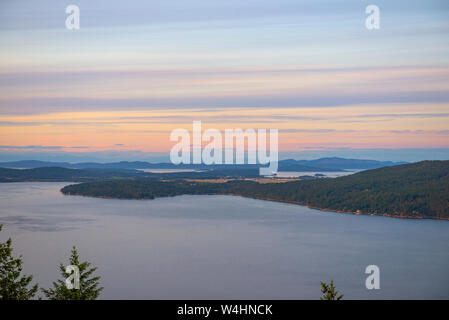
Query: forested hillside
{"points": [[418, 190]]}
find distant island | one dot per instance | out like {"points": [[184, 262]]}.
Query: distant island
{"points": [[417, 190], [34, 170], [324, 165], [55, 174]]}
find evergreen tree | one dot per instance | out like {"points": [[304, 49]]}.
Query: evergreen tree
{"points": [[13, 286], [88, 286], [329, 292]]}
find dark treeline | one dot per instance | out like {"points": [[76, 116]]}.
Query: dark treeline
{"points": [[322, 164], [283, 165], [62, 174], [419, 190], [84, 175]]}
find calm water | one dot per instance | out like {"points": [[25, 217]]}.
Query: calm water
{"points": [[168, 170], [213, 247], [327, 174]]}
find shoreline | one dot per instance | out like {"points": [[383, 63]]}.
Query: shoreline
{"points": [[269, 199]]}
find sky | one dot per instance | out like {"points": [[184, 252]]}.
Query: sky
{"points": [[136, 70]]}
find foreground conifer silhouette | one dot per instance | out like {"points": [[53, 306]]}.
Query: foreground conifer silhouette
{"points": [[88, 286], [13, 286]]}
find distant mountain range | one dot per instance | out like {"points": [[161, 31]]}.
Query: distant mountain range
{"points": [[323, 164], [342, 163]]}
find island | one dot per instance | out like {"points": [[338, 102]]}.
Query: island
{"points": [[416, 190]]}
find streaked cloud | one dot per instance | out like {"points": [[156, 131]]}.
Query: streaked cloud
{"points": [[41, 147], [258, 88], [137, 70]]}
